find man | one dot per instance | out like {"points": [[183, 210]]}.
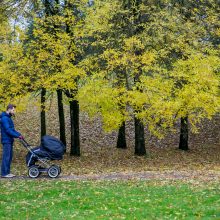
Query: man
{"points": [[8, 133]]}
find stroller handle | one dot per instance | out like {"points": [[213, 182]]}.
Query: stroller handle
{"points": [[25, 143]]}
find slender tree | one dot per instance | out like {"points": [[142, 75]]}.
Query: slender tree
{"points": [[43, 113], [61, 117], [184, 134], [121, 141]]}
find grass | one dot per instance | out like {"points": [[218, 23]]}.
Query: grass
{"points": [[55, 199]]}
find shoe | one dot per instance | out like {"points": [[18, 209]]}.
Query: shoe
{"points": [[10, 175]]}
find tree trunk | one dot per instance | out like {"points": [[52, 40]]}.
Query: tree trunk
{"points": [[121, 82], [184, 134], [75, 140], [61, 117], [43, 114], [140, 149], [121, 142]]}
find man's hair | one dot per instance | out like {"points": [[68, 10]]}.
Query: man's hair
{"points": [[11, 106]]}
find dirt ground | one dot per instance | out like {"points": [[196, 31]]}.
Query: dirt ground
{"points": [[101, 159]]}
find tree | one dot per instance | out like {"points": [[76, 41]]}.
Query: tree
{"points": [[145, 42], [56, 51], [13, 85], [122, 60], [196, 13], [61, 116], [196, 91]]}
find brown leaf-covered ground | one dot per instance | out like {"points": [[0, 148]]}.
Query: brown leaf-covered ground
{"points": [[99, 155]]}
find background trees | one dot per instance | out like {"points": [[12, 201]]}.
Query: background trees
{"points": [[141, 57], [155, 62]]}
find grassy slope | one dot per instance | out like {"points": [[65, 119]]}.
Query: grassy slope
{"points": [[108, 200]]}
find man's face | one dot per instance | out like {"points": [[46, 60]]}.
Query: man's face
{"points": [[11, 111]]}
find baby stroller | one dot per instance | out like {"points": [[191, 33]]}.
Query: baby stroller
{"points": [[50, 149]]}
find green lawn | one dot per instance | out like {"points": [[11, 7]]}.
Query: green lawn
{"points": [[55, 199]]}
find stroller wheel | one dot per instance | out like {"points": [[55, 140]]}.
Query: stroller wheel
{"points": [[53, 171], [33, 172], [58, 167]]}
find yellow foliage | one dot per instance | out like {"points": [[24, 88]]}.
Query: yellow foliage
{"points": [[148, 58], [97, 96], [197, 86]]}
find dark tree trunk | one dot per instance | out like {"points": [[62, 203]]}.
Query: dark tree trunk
{"points": [[136, 29], [75, 140], [121, 142], [184, 134], [61, 117], [43, 114], [140, 149]]}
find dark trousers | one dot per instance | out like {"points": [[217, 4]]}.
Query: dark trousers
{"points": [[7, 154]]}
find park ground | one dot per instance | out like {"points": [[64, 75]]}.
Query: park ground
{"points": [[110, 183]]}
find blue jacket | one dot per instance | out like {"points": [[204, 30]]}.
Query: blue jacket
{"points": [[8, 132]]}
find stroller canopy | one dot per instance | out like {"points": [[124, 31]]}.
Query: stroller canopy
{"points": [[53, 146]]}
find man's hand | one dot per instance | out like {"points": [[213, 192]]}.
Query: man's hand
{"points": [[21, 137]]}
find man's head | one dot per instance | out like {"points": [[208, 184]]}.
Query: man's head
{"points": [[11, 109]]}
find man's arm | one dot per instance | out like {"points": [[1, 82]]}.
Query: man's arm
{"points": [[9, 130]]}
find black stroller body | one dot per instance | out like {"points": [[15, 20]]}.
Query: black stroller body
{"points": [[50, 149]]}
